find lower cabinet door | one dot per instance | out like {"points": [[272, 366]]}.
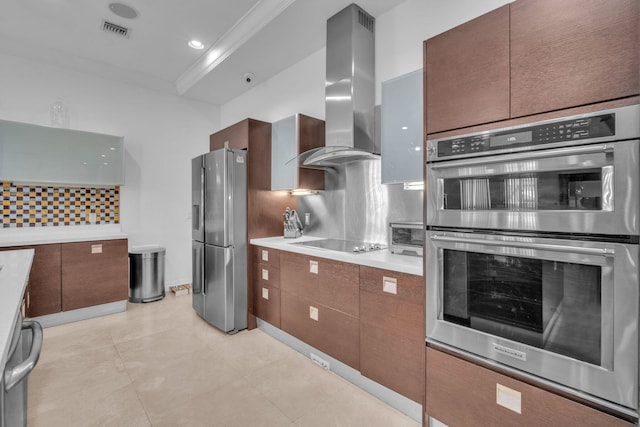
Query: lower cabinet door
{"points": [[267, 303], [393, 360], [94, 273], [460, 393], [44, 291], [324, 328]]}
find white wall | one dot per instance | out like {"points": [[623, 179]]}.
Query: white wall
{"points": [[399, 36], [162, 134]]}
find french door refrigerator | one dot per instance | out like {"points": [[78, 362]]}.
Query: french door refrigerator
{"points": [[219, 233]]}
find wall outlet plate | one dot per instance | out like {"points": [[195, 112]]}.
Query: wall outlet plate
{"points": [[319, 361]]}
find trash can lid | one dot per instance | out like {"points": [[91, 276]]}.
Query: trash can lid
{"points": [[142, 250]]}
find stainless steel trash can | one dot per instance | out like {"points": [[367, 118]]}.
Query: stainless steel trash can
{"points": [[146, 274]]}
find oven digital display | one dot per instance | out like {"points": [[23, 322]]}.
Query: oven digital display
{"points": [[511, 139], [548, 133]]}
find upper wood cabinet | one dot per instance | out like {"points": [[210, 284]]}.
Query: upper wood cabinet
{"points": [[530, 57], [573, 52], [467, 73]]}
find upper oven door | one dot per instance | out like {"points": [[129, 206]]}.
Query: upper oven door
{"points": [[565, 311], [581, 189]]}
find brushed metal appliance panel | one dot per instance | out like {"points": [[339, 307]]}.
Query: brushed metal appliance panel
{"points": [[356, 206]]}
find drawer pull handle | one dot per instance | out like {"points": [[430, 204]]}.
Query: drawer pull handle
{"points": [[509, 398], [265, 255], [313, 313], [390, 285], [265, 274], [313, 267], [96, 249], [265, 293]]}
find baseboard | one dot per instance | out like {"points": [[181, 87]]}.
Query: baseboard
{"points": [[63, 317]]}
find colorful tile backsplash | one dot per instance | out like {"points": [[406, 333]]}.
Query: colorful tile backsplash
{"points": [[43, 206]]}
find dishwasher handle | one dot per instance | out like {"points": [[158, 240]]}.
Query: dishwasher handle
{"points": [[19, 372]]}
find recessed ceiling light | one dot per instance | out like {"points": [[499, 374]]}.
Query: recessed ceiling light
{"points": [[195, 44], [123, 10]]}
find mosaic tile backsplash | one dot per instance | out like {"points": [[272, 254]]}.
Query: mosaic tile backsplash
{"points": [[43, 206]]}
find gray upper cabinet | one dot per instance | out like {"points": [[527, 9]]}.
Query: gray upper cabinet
{"points": [[40, 154], [401, 128], [290, 137]]}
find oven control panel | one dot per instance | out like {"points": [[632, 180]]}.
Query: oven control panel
{"points": [[516, 138]]}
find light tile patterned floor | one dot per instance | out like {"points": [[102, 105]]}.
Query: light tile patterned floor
{"points": [[159, 364]]}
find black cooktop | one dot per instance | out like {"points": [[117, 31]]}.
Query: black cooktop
{"points": [[350, 246]]}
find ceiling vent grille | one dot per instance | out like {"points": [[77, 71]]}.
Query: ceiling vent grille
{"points": [[365, 20], [115, 29]]}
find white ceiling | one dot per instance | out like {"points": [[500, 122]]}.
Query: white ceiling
{"points": [[262, 37]]}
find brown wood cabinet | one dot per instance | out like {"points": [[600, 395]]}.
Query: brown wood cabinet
{"points": [[467, 73], [264, 207], [573, 52], [460, 393], [266, 279], [334, 284], [530, 57], [44, 290], [93, 273], [320, 304], [392, 344], [334, 332]]}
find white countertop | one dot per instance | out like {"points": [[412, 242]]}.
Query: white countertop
{"points": [[14, 276], [379, 259], [63, 234]]}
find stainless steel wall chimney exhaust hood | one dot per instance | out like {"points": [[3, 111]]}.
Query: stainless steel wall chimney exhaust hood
{"points": [[349, 93]]}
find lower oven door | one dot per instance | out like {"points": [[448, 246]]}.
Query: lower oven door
{"points": [[564, 311]]}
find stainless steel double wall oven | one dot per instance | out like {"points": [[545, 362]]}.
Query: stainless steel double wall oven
{"points": [[532, 241]]}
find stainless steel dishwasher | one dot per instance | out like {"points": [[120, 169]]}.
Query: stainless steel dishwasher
{"points": [[23, 355]]}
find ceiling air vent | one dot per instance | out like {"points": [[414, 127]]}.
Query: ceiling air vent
{"points": [[365, 20], [115, 29]]}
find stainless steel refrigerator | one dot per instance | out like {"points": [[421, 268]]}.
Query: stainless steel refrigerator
{"points": [[219, 232]]}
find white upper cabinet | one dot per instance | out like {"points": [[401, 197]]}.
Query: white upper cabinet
{"points": [[40, 154], [401, 128]]}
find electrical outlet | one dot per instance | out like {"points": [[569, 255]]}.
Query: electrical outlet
{"points": [[319, 361]]}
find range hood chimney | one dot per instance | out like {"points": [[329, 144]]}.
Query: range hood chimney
{"points": [[349, 92]]}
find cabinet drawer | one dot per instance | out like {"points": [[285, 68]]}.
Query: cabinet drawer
{"points": [[93, 273], [334, 284], [393, 360], [334, 333], [267, 303], [401, 312], [266, 256], [460, 393]]}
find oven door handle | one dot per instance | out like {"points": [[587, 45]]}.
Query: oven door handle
{"points": [[17, 373], [529, 155], [528, 245]]}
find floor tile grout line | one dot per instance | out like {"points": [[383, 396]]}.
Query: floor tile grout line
{"points": [[124, 366]]}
